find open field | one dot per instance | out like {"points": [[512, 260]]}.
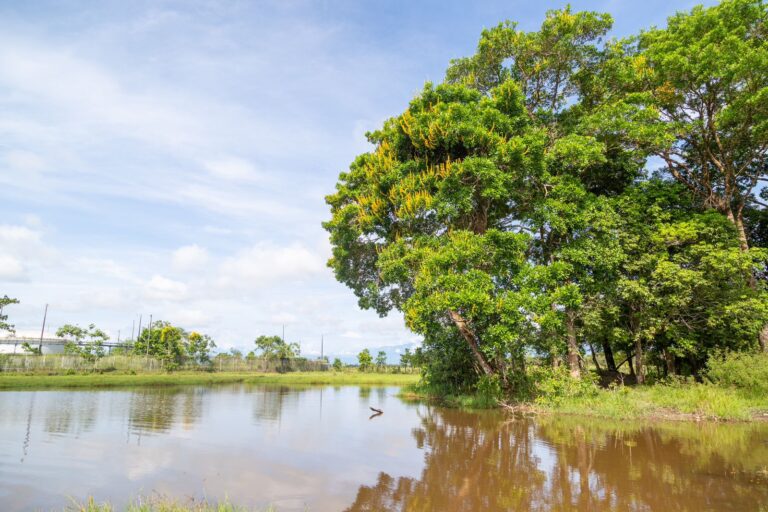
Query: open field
{"points": [[97, 380]]}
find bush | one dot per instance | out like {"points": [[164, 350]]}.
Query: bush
{"points": [[489, 392], [553, 385], [743, 370]]}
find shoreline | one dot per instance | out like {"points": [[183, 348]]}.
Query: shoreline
{"points": [[692, 404], [687, 403], [111, 380]]}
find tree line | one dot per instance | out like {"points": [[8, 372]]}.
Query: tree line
{"points": [[573, 199]]}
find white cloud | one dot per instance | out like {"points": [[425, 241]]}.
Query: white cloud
{"points": [[283, 318], [11, 268], [190, 318], [232, 168], [190, 257], [20, 247], [18, 235], [24, 161], [104, 267], [267, 263], [162, 288]]}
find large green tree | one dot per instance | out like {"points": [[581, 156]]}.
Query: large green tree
{"points": [[694, 94], [506, 212]]}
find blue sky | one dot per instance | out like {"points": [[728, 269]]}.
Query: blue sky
{"points": [[171, 158]]}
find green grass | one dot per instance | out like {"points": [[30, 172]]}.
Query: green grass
{"points": [[678, 402], [684, 402], [162, 505], [97, 380]]}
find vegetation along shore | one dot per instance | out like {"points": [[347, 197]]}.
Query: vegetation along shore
{"points": [[567, 216]]}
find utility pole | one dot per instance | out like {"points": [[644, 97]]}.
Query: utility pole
{"points": [[42, 331], [283, 333], [150, 335], [321, 346], [139, 326]]}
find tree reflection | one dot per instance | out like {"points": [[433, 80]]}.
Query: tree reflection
{"points": [[158, 410], [269, 402], [474, 462], [487, 462], [71, 413]]}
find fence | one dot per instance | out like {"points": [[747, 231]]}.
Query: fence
{"points": [[48, 363]]}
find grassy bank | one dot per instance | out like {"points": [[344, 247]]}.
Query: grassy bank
{"points": [[690, 401], [99, 380], [679, 402], [164, 505]]}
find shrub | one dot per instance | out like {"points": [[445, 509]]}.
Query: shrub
{"points": [[743, 370], [489, 391], [553, 385]]}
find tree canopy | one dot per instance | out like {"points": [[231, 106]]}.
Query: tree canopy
{"points": [[6, 301], [510, 212], [274, 347]]}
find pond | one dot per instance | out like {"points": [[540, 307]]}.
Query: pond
{"points": [[318, 449]]}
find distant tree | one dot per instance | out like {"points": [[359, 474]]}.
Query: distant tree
{"points": [[199, 347], [250, 356], [87, 342], [274, 347], [337, 364], [419, 358], [381, 359], [405, 358], [5, 326], [26, 347], [163, 341], [364, 360]]}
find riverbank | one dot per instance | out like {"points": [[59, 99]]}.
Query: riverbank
{"points": [[679, 402], [104, 380], [166, 505]]}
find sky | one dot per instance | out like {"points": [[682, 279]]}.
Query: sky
{"points": [[172, 158]]}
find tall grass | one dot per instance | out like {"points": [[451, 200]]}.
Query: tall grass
{"points": [[164, 505], [736, 390]]}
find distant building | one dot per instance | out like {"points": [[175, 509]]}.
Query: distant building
{"points": [[13, 345]]}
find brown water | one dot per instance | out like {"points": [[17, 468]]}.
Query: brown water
{"points": [[316, 449]]}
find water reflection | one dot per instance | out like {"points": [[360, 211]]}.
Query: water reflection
{"points": [[269, 403], [157, 410], [314, 448], [71, 416], [481, 462]]}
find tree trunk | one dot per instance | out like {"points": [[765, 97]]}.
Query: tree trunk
{"points": [[594, 358], [670, 360], [573, 346], [738, 221], [631, 366], [609, 360], [639, 361], [471, 340]]}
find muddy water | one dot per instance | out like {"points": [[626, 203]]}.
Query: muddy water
{"points": [[318, 449]]}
